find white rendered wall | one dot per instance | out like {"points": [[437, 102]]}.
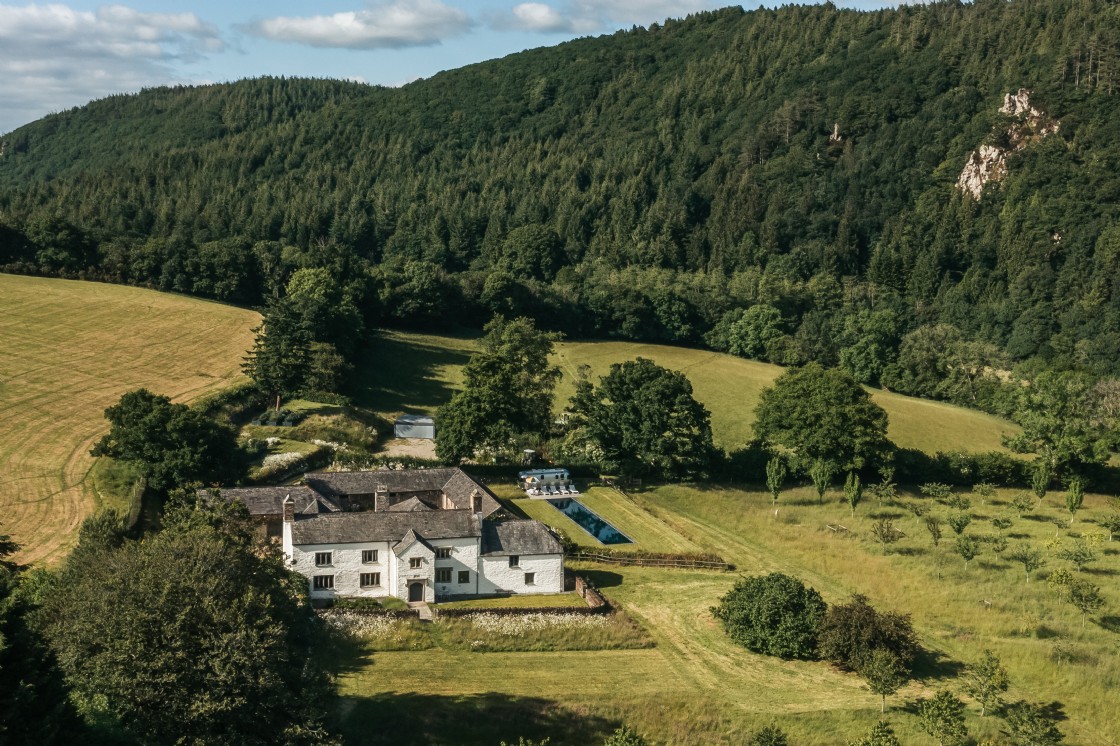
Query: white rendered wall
{"points": [[346, 566], [406, 574], [499, 577], [464, 557]]}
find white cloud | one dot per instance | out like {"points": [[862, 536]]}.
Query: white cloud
{"points": [[53, 57], [386, 26], [584, 16]]}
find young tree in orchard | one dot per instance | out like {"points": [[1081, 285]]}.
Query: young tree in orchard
{"points": [[507, 391], [942, 716], [775, 475], [881, 735], [853, 492], [985, 681], [1075, 496], [823, 414], [967, 547], [169, 443], [643, 419], [933, 525], [624, 735], [191, 635], [886, 533], [772, 614], [1111, 524], [1022, 503], [821, 472], [1032, 725], [1031, 559], [1085, 597], [885, 674], [769, 735]]}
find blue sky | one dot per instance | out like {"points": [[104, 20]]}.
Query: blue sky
{"points": [[54, 56]]}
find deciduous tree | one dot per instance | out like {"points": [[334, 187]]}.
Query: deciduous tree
{"points": [[169, 443], [821, 414], [985, 681], [942, 716], [773, 614], [885, 674], [1031, 725]]}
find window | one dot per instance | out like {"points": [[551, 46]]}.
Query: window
{"points": [[443, 552], [464, 576], [514, 560], [322, 582], [416, 563], [443, 574], [529, 578], [370, 579], [322, 558], [369, 556]]}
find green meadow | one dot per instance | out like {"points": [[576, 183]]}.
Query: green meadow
{"points": [[410, 372]]}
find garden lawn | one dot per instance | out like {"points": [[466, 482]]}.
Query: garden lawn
{"points": [[70, 350]]}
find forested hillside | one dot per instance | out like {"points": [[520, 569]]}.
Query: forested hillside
{"points": [[777, 183]]}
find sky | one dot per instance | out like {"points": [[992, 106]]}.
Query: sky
{"points": [[55, 56]]}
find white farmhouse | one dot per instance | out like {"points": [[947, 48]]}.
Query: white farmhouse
{"points": [[418, 535]]}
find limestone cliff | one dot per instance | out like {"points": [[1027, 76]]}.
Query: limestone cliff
{"points": [[989, 162]]}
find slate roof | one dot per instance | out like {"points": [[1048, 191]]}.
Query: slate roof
{"points": [[368, 526], [518, 537], [409, 539], [411, 504], [268, 501], [453, 482]]}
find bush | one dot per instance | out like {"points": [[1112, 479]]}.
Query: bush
{"points": [[851, 632], [773, 614]]}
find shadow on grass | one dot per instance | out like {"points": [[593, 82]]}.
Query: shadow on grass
{"points": [[1099, 571], [1110, 623], [490, 718], [910, 551], [400, 375], [930, 665], [603, 578]]}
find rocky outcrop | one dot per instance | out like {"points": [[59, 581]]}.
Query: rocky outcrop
{"points": [[988, 163]]}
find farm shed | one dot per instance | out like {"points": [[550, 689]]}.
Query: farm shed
{"points": [[415, 426]]}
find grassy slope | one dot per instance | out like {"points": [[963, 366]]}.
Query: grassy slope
{"points": [[418, 373], [696, 687], [70, 350]]}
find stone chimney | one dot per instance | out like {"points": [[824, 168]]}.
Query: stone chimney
{"points": [[289, 509]]}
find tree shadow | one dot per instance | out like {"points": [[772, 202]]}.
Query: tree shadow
{"points": [[931, 665], [1105, 571], [1110, 623], [1011, 535], [602, 578], [910, 551], [488, 718], [399, 375]]}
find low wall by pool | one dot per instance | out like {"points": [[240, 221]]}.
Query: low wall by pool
{"points": [[590, 521]]}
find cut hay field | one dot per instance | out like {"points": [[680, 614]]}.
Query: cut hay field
{"points": [[419, 372], [70, 349]]}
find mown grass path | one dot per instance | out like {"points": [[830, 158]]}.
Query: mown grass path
{"points": [[68, 350]]}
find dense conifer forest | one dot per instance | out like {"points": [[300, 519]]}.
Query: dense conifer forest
{"points": [[781, 184]]}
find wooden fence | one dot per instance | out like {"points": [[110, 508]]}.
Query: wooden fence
{"points": [[685, 563]]}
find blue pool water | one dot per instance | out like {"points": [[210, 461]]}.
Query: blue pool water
{"points": [[590, 522]]}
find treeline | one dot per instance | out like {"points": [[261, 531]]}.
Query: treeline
{"points": [[775, 183]]}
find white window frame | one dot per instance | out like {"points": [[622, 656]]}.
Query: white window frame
{"points": [[415, 563], [443, 552]]}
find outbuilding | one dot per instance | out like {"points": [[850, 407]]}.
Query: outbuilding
{"points": [[415, 426]]}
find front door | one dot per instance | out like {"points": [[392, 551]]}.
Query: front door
{"points": [[416, 592]]}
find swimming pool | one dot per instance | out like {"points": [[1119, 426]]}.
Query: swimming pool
{"points": [[590, 521]]}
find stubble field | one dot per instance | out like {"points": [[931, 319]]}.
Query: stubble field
{"points": [[69, 350]]}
